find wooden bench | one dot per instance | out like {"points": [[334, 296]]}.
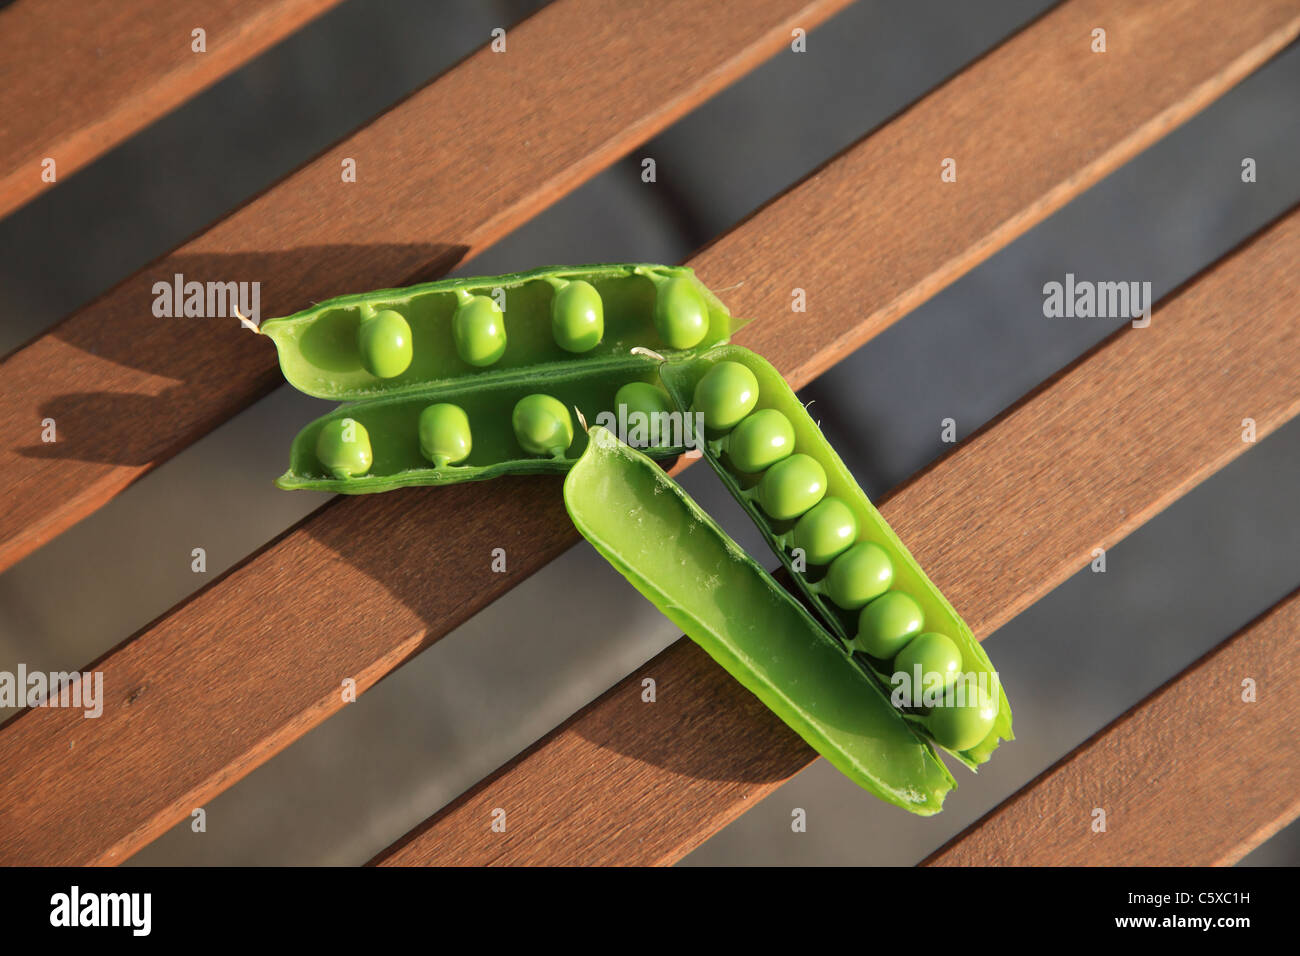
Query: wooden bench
{"points": [[206, 668]]}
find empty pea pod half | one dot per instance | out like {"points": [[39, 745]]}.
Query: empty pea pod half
{"points": [[508, 424], [860, 578], [651, 531], [397, 340]]}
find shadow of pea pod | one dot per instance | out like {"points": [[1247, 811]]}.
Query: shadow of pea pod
{"points": [[442, 574], [150, 384], [695, 728], [85, 429]]}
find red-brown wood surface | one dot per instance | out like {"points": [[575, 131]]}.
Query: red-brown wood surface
{"points": [[80, 76], [211, 689], [1006, 517], [440, 176], [1195, 774]]}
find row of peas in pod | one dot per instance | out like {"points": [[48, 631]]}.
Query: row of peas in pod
{"points": [[454, 330], [838, 548], [502, 425], [541, 424]]}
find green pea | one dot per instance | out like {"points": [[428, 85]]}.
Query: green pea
{"points": [[444, 434], [479, 329], [936, 654], [577, 316], [643, 398], [860, 574], [826, 530], [791, 487], [384, 340], [960, 727], [542, 425], [760, 441], [641, 402], [681, 314], [726, 394], [343, 448], [888, 623]]}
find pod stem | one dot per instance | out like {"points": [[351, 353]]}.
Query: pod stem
{"points": [[654, 277], [247, 322]]}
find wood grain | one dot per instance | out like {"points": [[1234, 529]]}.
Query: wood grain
{"points": [[1006, 517], [214, 687], [80, 76], [128, 390], [1193, 775]]}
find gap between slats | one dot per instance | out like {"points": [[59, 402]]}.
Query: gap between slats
{"points": [[75, 82]]}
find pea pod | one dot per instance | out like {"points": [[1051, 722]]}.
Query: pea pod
{"points": [[400, 340], [806, 498], [650, 530], [510, 424]]}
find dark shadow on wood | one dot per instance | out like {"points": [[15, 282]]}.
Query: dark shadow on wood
{"points": [[211, 368]]}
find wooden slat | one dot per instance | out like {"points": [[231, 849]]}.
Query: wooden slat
{"points": [[1011, 514], [128, 390], [1192, 776], [80, 76], [261, 653]]}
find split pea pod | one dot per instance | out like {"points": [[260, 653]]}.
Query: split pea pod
{"points": [[396, 340], [842, 554], [656, 536], [509, 424]]}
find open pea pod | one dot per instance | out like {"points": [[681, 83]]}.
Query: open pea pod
{"points": [[389, 445], [397, 340], [848, 524], [650, 530]]}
